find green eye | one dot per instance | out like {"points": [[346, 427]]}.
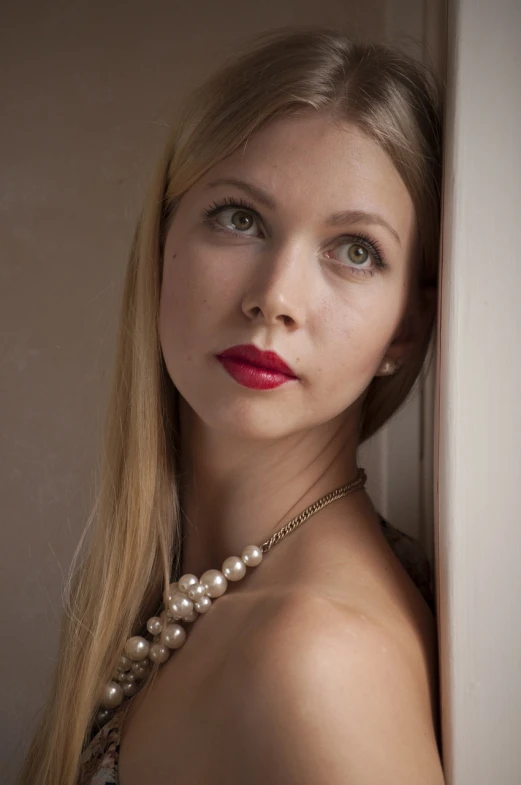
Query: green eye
{"points": [[361, 256], [245, 221], [358, 254], [238, 218]]}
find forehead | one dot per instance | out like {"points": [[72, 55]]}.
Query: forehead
{"points": [[312, 163]]}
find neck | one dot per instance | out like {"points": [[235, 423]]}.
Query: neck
{"points": [[237, 492]]}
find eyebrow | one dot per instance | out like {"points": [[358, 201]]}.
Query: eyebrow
{"points": [[335, 219]]}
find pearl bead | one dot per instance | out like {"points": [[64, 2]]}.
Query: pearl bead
{"points": [[158, 652], [103, 716], [140, 670], [181, 605], [137, 648], [124, 663], [195, 592], [154, 625], [234, 568], [112, 695], [191, 616], [252, 555], [203, 605], [185, 581], [174, 636], [172, 589], [120, 676], [129, 688], [214, 582]]}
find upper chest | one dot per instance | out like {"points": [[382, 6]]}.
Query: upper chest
{"points": [[178, 729]]}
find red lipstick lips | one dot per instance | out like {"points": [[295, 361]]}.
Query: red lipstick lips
{"points": [[254, 368]]}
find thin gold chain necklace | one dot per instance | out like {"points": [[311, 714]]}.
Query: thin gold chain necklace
{"points": [[190, 597]]}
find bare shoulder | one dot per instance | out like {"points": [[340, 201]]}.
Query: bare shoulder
{"points": [[327, 693]]}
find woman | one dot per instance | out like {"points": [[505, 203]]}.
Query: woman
{"points": [[279, 304]]}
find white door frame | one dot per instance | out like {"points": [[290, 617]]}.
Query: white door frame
{"points": [[478, 407]]}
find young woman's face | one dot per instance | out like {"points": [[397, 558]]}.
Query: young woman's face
{"points": [[284, 271]]}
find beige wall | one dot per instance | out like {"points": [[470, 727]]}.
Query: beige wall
{"points": [[87, 93]]}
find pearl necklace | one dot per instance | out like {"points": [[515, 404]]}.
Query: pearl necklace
{"points": [[188, 598]]}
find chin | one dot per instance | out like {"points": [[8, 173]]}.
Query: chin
{"points": [[238, 417]]}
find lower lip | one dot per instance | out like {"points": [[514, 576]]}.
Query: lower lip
{"points": [[252, 376]]}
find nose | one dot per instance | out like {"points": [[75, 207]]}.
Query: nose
{"points": [[279, 286]]}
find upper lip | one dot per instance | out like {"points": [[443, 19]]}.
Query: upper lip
{"points": [[263, 359]]}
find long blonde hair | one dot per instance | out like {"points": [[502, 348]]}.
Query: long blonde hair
{"points": [[130, 551]]}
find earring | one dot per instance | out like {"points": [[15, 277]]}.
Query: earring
{"points": [[387, 368]]}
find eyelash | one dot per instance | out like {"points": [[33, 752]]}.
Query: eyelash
{"points": [[369, 243]]}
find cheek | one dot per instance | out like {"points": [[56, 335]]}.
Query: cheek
{"points": [[175, 306], [179, 314], [354, 336], [193, 294], [183, 290]]}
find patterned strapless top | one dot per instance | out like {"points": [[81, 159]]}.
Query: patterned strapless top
{"points": [[99, 760]]}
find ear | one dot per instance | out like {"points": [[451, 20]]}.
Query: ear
{"points": [[413, 325]]}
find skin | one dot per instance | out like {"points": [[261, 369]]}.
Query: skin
{"points": [[252, 460]]}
